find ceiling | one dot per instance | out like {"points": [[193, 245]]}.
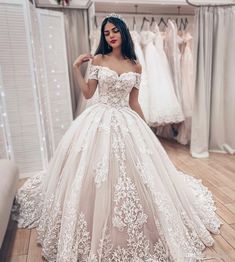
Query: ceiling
{"points": [[143, 8], [80, 4], [133, 6]]}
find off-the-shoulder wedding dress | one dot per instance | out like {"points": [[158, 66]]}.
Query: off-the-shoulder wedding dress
{"points": [[111, 193]]}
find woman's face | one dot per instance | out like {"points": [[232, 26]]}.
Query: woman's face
{"points": [[112, 35]]}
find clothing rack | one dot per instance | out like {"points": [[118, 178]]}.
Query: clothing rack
{"points": [[209, 5], [160, 19], [123, 14], [145, 16]]}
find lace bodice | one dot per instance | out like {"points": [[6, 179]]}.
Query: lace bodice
{"points": [[114, 89]]}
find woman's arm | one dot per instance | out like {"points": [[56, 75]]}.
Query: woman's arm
{"points": [[87, 88]]}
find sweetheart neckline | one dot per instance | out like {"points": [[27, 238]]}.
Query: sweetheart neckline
{"points": [[106, 67]]}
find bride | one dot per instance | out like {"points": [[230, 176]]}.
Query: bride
{"points": [[111, 193]]}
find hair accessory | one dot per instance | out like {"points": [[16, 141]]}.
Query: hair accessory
{"points": [[116, 16]]}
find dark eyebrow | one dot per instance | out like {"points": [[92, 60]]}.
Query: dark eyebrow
{"points": [[111, 29]]}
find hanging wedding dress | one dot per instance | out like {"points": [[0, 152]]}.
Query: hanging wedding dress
{"points": [[159, 44], [184, 131], [111, 193], [172, 41], [144, 90], [163, 104], [171, 47]]}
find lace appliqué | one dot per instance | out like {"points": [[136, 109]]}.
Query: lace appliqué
{"points": [[26, 209], [128, 211], [205, 203], [138, 81], [114, 89], [101, 171], [82, 240], [129, 214], [93, 72], [79, 242], [49, 228]]}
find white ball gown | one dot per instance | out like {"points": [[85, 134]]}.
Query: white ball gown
{"points": [[111, 193]]}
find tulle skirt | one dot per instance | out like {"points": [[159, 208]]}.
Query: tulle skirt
{"points": [[112, 194]]}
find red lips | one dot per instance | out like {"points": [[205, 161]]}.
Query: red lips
{"points": [[113, 41]]}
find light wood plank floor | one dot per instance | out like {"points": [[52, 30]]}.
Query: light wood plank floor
{"points": [[217, 173]]}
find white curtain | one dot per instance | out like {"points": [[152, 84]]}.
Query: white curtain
{"points": [[213, 121], [77, 41]]}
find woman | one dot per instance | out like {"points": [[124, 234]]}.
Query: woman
{"points": [[110, 192]]}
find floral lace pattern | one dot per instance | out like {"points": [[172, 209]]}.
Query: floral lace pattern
{"points": [[27, 209], [129, 214], [111, 194], [114, 89], [101, 171]]}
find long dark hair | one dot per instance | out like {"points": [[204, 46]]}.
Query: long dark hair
{"points": [[127, 46]]}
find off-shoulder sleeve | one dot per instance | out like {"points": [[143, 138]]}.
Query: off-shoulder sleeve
{"points": [[138, 80], [93, 72]]}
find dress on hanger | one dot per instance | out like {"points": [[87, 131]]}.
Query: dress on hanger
{"points": [[184, 131], [164, 107], [172, 41], [111, 193], [159, 44], [144, 90]]}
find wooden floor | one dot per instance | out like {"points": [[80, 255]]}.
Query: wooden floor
{"points": [[217, 173]]}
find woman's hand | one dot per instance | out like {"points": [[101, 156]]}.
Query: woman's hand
{"points": [[87, 88], [81, 59]]}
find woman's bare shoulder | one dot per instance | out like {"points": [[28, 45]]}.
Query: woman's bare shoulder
{"points": [[138, 67], [97, 59]]}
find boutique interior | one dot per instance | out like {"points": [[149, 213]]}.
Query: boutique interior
{"points": [[187, 94]]}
